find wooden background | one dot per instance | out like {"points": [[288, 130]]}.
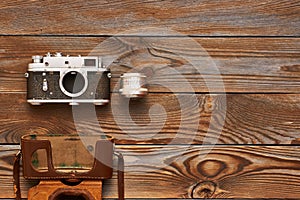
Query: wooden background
{"points": [[255, 45]]}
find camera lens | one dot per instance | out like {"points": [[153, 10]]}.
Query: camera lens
{"points": [[73, 82]]}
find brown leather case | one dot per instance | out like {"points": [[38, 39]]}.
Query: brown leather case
{"points": [[54, 183], [56, 190], [102, 162]]}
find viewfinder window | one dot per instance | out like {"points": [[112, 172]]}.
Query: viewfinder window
{"points": [[90, 62]]}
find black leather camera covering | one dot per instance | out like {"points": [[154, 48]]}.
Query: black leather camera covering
{"points": [[98, 86]]}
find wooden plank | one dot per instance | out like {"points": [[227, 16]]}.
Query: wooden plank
{"points": [[251, 65], [162, 119], [212, 18], [194, 172]]}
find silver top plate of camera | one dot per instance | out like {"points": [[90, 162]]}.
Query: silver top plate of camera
{"points": [[58, 62]]}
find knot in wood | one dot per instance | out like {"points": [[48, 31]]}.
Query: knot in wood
{"points": [[203, 190], [211, 168], [296, 141], [290, 68], [148, 72]]}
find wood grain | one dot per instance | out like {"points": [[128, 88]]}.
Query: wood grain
{"points": [[162, 119], [194, 172], [213, 18], [251, 65], [255, 47]]}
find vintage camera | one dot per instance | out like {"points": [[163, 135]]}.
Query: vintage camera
{"points": [[74, 172], [67, 79]]}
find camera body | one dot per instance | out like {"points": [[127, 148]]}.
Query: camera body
{"points": [[67, 79]]}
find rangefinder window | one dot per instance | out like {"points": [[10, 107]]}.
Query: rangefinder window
{"points": [[90, 62]]}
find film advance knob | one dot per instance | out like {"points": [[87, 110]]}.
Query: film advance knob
{"points": [[37, 58]]}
